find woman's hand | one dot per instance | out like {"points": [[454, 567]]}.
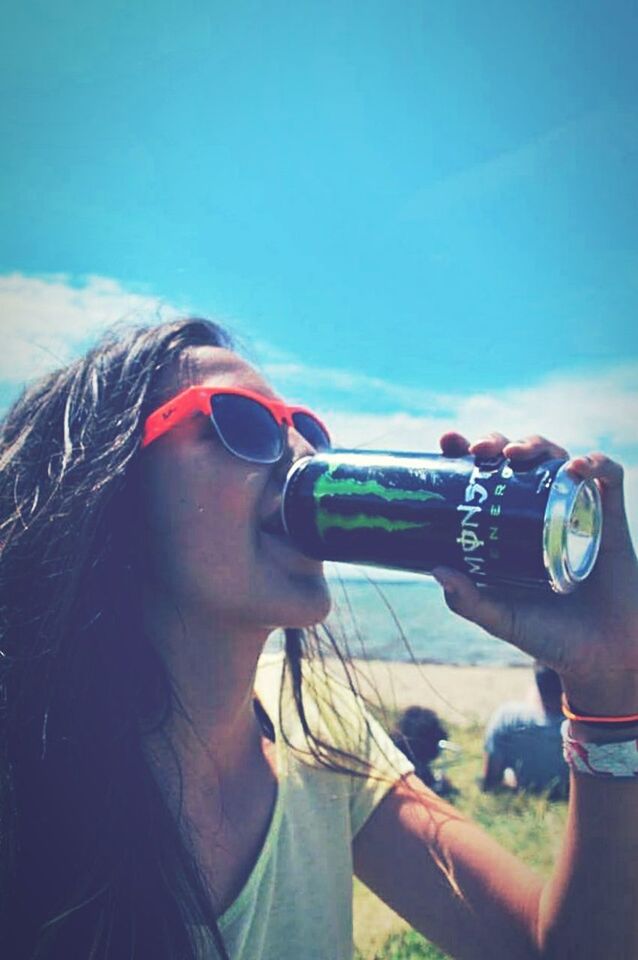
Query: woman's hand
{"points": [[590, 637]]}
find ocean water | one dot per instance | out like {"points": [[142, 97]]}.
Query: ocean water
{"points": [[434, 634]]}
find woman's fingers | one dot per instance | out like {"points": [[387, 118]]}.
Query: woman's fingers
{"points": [[599, 466], [512, 614], [575, 634], [496, 444], [608, 474], [463, 597], [454, 444], [534, 446], [491, 445]]}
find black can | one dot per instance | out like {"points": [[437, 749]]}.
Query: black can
{"points": [[497, 522]]}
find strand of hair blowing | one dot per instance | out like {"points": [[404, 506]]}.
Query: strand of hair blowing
{"points": [[92, 864]]}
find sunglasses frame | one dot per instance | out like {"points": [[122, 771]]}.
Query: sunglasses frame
{"points": [[195, 400]]}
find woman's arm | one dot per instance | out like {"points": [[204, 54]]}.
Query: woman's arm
{"points": [[463, 891], [589, 909], [489, 904], [448, 878]]}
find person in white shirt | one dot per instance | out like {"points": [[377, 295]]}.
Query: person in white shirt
{"points": [[523, 742]]}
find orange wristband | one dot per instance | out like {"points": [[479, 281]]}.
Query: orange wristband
{"points": [[619, 721]]}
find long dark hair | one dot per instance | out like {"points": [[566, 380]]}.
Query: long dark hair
{"points": [[92, 861]]}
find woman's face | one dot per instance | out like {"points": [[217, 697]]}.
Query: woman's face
{"points": [[204, 511]]}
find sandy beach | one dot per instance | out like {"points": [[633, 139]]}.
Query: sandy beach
{"points": [[459, 694]]}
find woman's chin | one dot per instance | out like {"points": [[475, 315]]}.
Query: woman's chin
{"points": [[313, 603]]}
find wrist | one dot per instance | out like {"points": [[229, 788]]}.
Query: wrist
{"points": [[613, 694], [603, 732], [610, 759]]}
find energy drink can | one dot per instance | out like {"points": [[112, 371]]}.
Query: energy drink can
{"points": [[498, 523]]}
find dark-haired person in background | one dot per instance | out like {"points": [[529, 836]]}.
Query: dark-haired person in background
{"points": [[523, 740], [418, 734], [167, 792]]}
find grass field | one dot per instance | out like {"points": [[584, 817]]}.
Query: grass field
{"points": [[530, 826]]}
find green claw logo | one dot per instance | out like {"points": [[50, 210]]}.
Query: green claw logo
{"points": [[329, 486]]}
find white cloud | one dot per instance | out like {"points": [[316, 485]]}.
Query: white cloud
{"points": [[45, 319], [581, 411]]}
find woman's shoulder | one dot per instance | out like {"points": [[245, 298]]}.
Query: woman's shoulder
{"points": [[329, 700], [334, 711]]}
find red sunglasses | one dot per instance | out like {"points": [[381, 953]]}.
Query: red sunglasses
{"points": [[247, 423]]}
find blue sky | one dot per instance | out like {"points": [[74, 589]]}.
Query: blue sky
{"points": [[419, 215]]}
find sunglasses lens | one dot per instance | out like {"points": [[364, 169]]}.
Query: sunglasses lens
{"points": [[248, 429], [312, 431]]}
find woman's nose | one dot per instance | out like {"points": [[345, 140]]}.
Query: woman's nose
{"points": [[295, 447], [295, 444]]}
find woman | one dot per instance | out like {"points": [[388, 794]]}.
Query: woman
{"points": [[152, 805]]}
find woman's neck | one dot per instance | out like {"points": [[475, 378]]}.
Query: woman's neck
{"points": [[217, 772], [213, 733]]}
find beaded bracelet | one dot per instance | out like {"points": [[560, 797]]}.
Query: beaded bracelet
{"points": [[606, 760]]}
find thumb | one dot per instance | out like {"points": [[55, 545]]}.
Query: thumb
{"points": [[464, 598]]}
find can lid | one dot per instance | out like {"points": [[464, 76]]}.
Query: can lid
{"points": [[572, 529]]}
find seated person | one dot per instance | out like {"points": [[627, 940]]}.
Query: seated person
{"points": [[523, 746], [418, 735]]}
